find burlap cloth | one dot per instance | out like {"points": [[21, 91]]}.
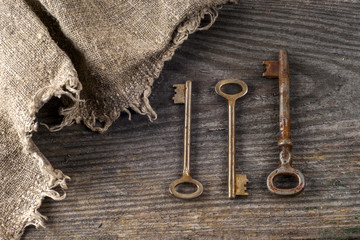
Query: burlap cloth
{"points": [[99, 56]]}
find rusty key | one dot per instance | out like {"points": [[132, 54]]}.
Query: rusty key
{"points": [[280, 69], [183, 95], [236, 182]]}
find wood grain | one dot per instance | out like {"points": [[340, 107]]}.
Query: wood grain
{"points": [[120, 179]]}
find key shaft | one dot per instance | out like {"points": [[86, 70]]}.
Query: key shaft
{"points": [[231, 151], [187, 128]]}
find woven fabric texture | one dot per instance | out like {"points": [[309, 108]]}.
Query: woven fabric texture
{"points": [[99, 56]]}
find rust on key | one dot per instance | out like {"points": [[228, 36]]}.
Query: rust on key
{"points": [[280, 69]]}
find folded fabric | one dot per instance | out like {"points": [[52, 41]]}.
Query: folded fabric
{"points": [[99, 56]]}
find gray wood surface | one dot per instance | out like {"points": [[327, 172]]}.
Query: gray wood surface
{"points": [[120, 179]]}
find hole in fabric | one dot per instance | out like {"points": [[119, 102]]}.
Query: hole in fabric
{"points": [[49, 113], [205, 21]]}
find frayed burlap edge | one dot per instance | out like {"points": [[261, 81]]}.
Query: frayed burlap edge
{"points": [[71, 88], [73, 114], [141, 104]]}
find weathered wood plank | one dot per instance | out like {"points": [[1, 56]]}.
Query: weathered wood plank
{"points": [[120, 179]]}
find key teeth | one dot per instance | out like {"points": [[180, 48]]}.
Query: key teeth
{"points": [[179, 96], [240, 182]]}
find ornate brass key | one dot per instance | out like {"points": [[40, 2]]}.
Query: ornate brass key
{"points": [[183, 95], [280, 69], [236, 182]]}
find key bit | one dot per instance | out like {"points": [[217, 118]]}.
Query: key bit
{"points": [[240, 182], [236, 182], [179, 96], [272, 69]]}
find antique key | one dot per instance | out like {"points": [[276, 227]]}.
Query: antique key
{"points": [[236, 182], [183, 95], [280, 69]]}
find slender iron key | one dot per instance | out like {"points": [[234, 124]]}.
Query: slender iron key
{"points": [[280, 69], [183, 95], [236, 182]]}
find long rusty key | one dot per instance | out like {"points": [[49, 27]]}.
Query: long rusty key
{"points": [[236, 182], [280, 69], [183, 95]]}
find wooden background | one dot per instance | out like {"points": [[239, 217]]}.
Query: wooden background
{"points": [[120, 179]]}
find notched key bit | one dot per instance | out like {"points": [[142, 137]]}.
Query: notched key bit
{"points": [[240, 182], [179, 96], [272, 69]]}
